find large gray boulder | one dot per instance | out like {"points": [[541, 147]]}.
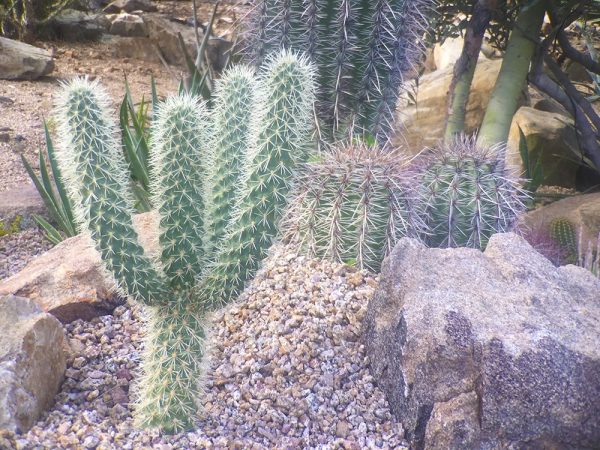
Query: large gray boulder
{"points": [[20, 61], [487, 350], [32, 362]]}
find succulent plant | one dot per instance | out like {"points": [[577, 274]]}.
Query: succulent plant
{"points": [[97, 180], [562, 231], [352, 205], [466, 193], [362, 49]]}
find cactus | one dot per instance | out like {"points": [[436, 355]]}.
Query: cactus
{"points": [[235, 102], [352, 206], [97, 180], [467, 194], [562, 231], [362, 49], [282, 132]]}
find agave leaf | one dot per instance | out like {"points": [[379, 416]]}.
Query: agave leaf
{"points": [[51, 233]]}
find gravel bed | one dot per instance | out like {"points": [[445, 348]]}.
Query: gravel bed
{"points": [[289, 371], [18, 249]]}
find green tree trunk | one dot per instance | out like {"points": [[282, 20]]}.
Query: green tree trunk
{"points": [[513, 74]]}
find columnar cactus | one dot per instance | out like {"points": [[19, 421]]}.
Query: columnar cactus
{"points": [[352, 206], [466, 194], [362, 50], [235, 106], [282, 134], [183, 132]]}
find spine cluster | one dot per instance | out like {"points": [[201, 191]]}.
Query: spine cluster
{"points": [[362, 50]]}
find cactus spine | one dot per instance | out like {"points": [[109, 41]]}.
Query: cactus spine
{"points": [[280, 137], [467, 194], [362, 50], [352, 206], [96, 173]]}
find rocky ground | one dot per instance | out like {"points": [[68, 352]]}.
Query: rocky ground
{"points": [[289, 371]]}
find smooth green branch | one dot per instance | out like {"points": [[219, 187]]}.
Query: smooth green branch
{"points": [[96, 175]]}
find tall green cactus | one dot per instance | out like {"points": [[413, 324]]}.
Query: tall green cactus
{"points": [[282, 134], [362, 49], [467, 194], [235, 105], [96, 175], [352, 206]]}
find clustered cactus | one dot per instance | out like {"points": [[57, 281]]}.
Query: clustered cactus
{"points": [[562, 231], [362, 49], [257, 135], [356, 202]]}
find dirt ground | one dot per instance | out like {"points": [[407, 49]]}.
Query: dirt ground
{"points": [[25, 104]]}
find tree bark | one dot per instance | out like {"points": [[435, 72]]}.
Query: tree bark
{"points": [[464, 69]]}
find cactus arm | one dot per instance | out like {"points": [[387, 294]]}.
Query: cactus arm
{"points": [[234, 107], [95, 172], [180, 137], [282, 130]]}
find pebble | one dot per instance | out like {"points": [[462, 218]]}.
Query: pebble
{"points": [[283, 375]]}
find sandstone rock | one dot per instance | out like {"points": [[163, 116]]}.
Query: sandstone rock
{"points": [[447, 53], [130, 6], [551, 139], [128, 25], [32, 362], [69, 281], [20, 61], [23, 200], [583, 211], [487, 350], [422, 123]]}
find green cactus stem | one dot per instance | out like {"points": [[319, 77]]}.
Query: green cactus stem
{"points": [[235, 104], [352, 206], [281, 134], [95, 172], [467, 194], [562, 231]]}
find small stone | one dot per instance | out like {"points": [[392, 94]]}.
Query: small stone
{"points": [[342, 428]]}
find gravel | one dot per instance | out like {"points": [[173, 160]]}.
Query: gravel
{"points": [[289, 371], [18, 249]]}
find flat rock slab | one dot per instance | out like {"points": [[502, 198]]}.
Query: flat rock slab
{"points": [[32, 362], [20, 61], [70, 282], [487, 350]]}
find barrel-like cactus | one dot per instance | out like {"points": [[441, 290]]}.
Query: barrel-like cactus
{"points": [[352, 205], [562, 231], [466, 194], [183, 133], [363, 50]]}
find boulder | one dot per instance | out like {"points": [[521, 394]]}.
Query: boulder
{"points": [[32, 362], [23, 200], [128, 25], [130, 6], [74, 26], [551, 139], [487, 350], [423, 117], [69, 280], [20, 61], [447, 53], [583, 211]]}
